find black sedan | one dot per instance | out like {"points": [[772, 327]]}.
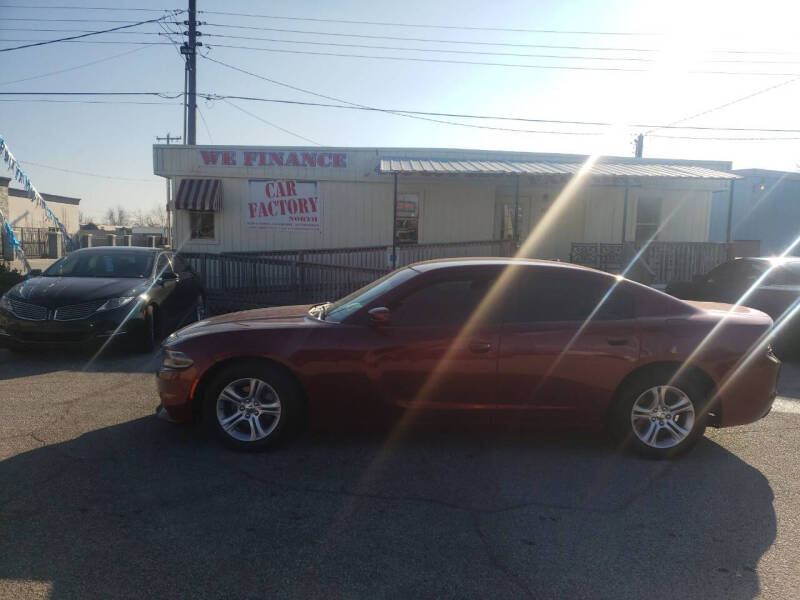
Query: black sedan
{"points": [[769, 284], [99, 294]]}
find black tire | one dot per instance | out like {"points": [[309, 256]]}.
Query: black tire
{"points": [[148, 336], [280, 384], [622, 422]]}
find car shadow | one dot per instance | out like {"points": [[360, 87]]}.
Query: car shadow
{"points": [[109, 360], [149, 509]]}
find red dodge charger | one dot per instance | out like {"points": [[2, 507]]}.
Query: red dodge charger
{"points": [[520, 339]]}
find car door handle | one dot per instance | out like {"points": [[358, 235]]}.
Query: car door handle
{"points": [[617, 341], [480, 347]]}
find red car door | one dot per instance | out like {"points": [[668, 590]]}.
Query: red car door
{"points": [[436, 352], [568, 338]]}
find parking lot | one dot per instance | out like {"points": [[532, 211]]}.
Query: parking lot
{"points": [[99, 499]]}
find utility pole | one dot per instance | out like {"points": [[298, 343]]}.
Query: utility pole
{"points": [[189, 50], [639, 145], [169, 138]]}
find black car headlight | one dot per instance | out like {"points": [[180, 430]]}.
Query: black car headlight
{"points": [[115, 303], [176, 360]]}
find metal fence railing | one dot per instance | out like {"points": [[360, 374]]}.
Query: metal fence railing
{"points": [[248, 280], [659, 262]]}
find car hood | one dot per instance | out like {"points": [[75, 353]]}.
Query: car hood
{"points": [[61, 291], [278, 316], [732, 312]]}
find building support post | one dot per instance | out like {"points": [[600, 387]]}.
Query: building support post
{"points": [[729, 235], [625, 215], [516, 216], [394, 226]]}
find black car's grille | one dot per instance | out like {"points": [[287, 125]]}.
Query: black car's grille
{"points": [[25, 310], [73, 312]]}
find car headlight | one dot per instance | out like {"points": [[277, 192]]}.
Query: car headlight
{"points": [[115, 303], [176, 360], [5, 303]]}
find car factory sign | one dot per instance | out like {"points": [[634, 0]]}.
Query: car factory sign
{"points": [[283, 204]]}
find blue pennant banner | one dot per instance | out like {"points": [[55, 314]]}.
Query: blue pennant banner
{"points": [[33, 194]]}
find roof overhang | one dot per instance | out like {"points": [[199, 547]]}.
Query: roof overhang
{"points": [[556, 170]]}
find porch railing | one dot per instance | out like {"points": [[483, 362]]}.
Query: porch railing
{"points": [[659, 262]]}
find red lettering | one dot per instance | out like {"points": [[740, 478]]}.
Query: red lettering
{"points": [[229, 158], [291, 204], [313, 202], [271, 212], [324, 159], [209, 158], [276, 158], [249, 158], [291, 190], [269, 189], [253, 208], [265, 210], [282, 202], [340, 160], [262, 159], [309, 159], [292, 160], [303, 205], [281, 189]]}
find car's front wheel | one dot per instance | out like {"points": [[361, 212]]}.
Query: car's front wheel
{"points": [[252, 406], [660, 415]]}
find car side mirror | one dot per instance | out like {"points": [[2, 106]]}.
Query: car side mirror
{"points": [[167, 276], [33, 273], [379, 316]]}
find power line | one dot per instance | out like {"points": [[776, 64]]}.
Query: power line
{"points": [[247, 112], [491, 64], [481, 43], [726, 104], [28, 162], [726, 139], [484, 53], [124, 42], [351, 105], [52, 20], [46, 100], [203, 119], [38, 30], [425, 25], [61, 7], [42, 43], [94, 62]]}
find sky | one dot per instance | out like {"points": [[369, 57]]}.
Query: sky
{"points": [[671, 60]]}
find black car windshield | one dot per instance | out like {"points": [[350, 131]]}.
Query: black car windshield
{"points": [[96, 264], [343, 308]]}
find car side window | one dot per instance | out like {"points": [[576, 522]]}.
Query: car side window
{"points": [[447, 302], [163, 265], [542, 296]]}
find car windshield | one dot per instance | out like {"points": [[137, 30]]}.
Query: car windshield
{"points": [[95, 264], [344, 307]]}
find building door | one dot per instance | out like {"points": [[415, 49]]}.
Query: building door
{"points": [[504, 217]]}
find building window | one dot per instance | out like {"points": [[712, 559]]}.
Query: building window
{"points": [[648, 218], [202, 225], [407, 218]]}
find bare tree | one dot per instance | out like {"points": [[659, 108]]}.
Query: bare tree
{"points": [[118, 217]]}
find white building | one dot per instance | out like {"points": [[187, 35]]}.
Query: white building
{"points": [[256, 199]]}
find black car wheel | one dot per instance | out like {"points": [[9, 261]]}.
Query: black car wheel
{"points": [[252, 406], [659, 415]]}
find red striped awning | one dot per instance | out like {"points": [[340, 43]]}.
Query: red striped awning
{"points": [[199, 194]]}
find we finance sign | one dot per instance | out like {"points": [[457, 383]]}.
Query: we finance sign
{"points": [[283, 204], [278, 158]]}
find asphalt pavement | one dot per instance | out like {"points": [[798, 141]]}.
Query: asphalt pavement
{"points": [[99, 499]]}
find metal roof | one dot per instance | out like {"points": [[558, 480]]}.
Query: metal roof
{"points": [[441, 166]]}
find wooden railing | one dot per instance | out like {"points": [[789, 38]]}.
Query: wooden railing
{"points": [[658, 262]]}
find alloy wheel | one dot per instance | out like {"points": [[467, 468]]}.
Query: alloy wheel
{"points": [[662, 416], [248, 409]]}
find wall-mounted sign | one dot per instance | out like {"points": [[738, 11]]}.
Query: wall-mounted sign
{"points": [[278, 158], [283, 204]]}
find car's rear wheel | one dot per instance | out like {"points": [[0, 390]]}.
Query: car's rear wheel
{"points": [[659, 415], [252, 406]]}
